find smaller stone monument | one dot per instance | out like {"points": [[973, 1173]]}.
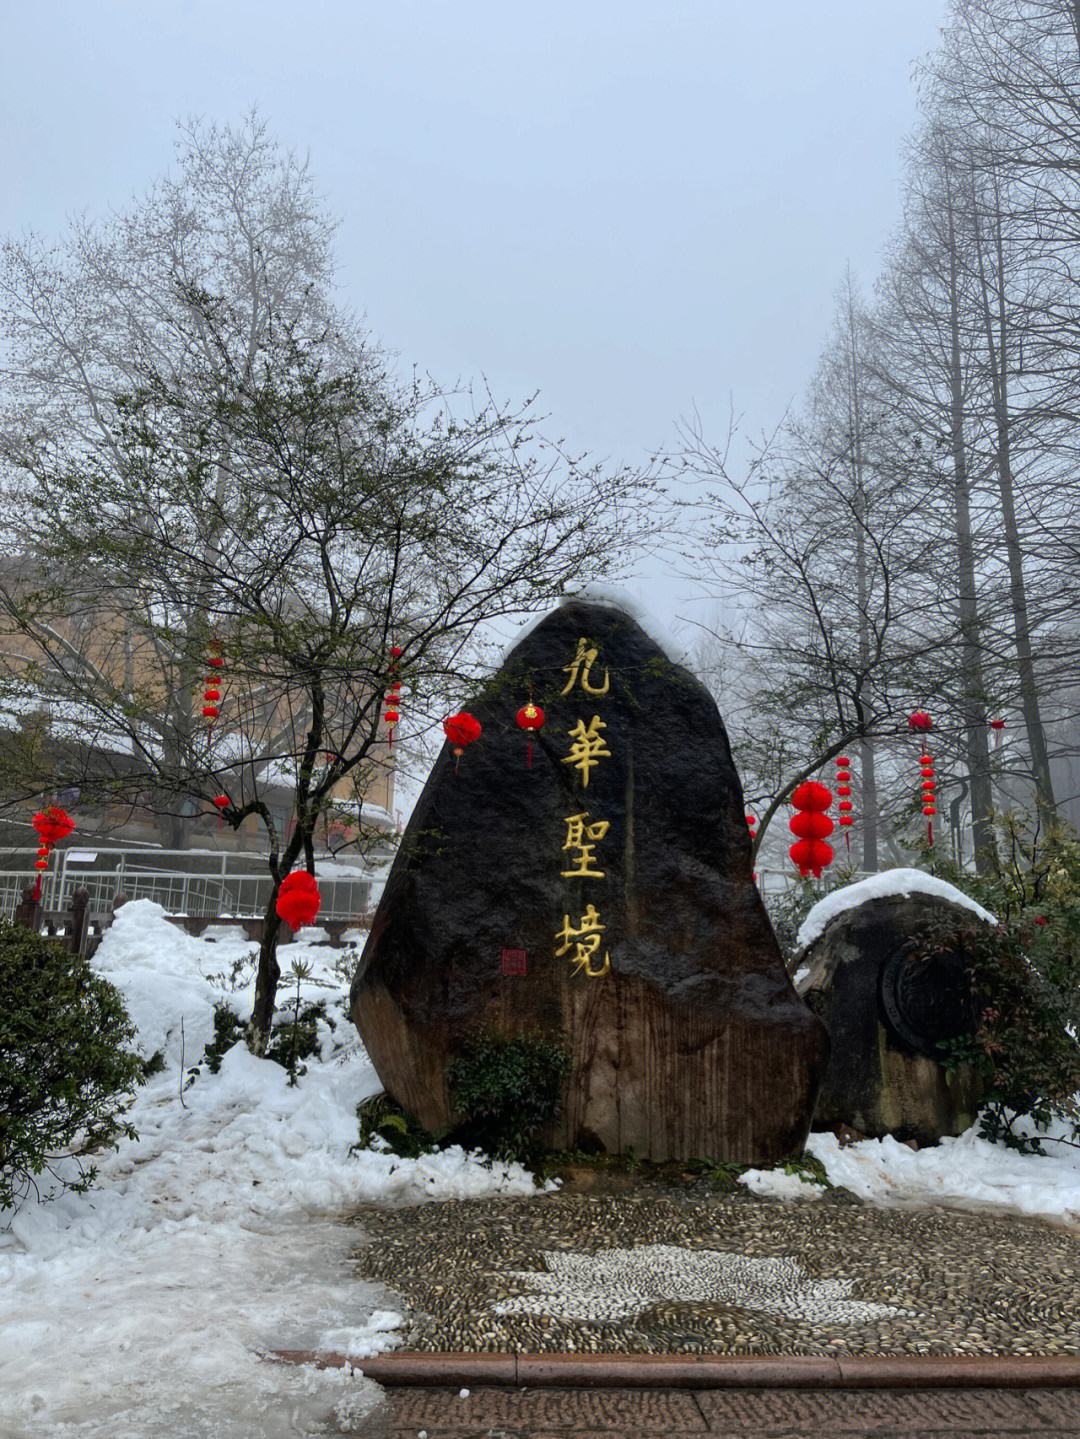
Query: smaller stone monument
{"points": [[891, 979]]}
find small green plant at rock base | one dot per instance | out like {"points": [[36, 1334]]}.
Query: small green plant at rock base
{"points": [[67, 1074], [506, 1090], [809, 1169], [384, 1121]]}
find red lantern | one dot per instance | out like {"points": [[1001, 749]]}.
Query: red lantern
{"points": [[843, 789], [842, 762], [211, 693], [751, 820], [40, 864], [530, 718], [847, 821], [919, 720], [811, 824], [845, 806], [52, 825], [392, 717], [216, 662], [461, 730], [395, 652], [811, 856], [392, 713], [298, 900], [210, 711], [997, 724], [812, 796], [221, 801]]}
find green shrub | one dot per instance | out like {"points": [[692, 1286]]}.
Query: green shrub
{"points": [[506, 1090], [788, 907], [67, 1075], [1026, 980]]}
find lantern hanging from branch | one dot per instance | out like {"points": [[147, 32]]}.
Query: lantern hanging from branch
{"points": [[929, 793], [812, 826], [751, 824], [298, 900], [215, 663], [844, 806], [52, 825], [461, 730], [530, 718], [392, 712]]}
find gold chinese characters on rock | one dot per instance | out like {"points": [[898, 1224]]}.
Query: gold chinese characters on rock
{"points": [[582, 941]]}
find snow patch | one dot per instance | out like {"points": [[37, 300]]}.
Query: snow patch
{"points": [[965, 1172], [881, 886], [776, 1184], [143, 1307]]}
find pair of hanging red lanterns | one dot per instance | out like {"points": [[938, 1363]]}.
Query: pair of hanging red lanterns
{"points": [[215, 663], [392, 713], [52, 825], [812, 827]]}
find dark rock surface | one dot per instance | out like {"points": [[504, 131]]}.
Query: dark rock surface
{"points": [[685, 1035], [889, 1012]]}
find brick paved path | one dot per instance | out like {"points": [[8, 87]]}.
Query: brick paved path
{"points": [[726, 1414]]}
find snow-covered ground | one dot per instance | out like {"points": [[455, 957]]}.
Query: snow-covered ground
{"points": [[965, 1173], [140, 1309]]}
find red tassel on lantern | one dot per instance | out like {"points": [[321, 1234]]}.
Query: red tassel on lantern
{"points": [[298, 900], [530, 718]]}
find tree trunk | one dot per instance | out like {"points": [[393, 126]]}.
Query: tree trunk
{"points": [[973, 699], [997, 349], [266, 980]]}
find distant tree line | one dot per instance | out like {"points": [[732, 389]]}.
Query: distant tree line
{"points": [[910, 537]]}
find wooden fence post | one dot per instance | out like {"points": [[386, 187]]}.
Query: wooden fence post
{"points": [[80, 922], [28, 912]]}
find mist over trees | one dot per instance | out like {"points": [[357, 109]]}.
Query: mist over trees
{"points": [[909, 537]]}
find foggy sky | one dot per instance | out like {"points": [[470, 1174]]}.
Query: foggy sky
{"points": [[634, 206]]}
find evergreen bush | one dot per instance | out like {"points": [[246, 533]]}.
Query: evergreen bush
{"points": [[506, 1090], [67, 1074]]}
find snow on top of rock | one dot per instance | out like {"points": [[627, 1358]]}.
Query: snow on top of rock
{"points": [[883, 886], [595, 593]]}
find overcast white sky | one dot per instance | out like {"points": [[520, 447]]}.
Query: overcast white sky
{"points": [[634, 206]]}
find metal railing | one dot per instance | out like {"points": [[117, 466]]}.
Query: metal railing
{"points": [[218, 892]]}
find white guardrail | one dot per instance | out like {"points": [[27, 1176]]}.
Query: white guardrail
{"points": [[219, 890]]}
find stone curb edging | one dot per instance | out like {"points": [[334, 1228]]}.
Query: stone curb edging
{"points": [[720, 1371]]}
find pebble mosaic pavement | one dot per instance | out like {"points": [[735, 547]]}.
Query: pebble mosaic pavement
{"points": [[740, 1275]]}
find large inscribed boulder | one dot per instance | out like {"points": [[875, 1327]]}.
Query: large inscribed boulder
{"points": [[602, 897]]}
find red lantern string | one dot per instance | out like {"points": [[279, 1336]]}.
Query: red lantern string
{"points": [[845, 807], [530, 718], [920, 721], [751, 824], [392, 713], [212, 685], [812, 826], [461, 730]]}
